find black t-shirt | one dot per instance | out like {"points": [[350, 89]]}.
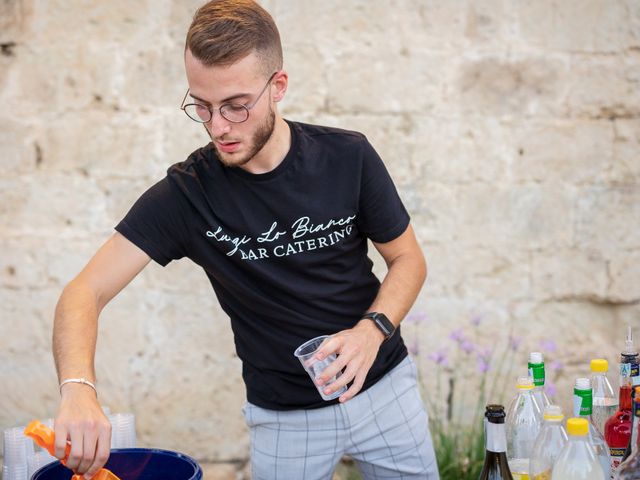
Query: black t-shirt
{"points": [[285, 251]]}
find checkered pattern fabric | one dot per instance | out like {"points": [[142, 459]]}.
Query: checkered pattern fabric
{"points": [[384, 429]]}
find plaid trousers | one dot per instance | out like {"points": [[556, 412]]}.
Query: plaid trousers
{"points": [[384, 429]]}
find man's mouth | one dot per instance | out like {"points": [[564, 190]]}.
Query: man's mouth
{"points": [[228, 147]]}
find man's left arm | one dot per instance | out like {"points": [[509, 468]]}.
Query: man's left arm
{"points": [[358, 347]]}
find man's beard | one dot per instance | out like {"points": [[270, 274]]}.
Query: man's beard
{"points": [[258, 141]]}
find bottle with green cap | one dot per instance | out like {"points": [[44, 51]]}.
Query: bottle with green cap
{"points": [[582, 408], [577, 460], [523, 425], [536, 372], [549, 443], [605, 400]]}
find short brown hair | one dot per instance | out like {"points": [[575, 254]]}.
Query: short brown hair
{"points": [[225, 31]]}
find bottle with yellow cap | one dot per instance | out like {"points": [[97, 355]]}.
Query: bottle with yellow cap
{"points": [[523, 424], [605, 400], [549, 443], [577, 460]]}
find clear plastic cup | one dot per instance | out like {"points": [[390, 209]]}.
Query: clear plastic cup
{"points": [[123, 430], [15, 472], [39, 460], [314, 367], [17, 447]]}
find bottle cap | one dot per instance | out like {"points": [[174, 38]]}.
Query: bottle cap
{"points": [[495, 413], [524, 383], [628, 343], [599, 365], [583, 384], [553, 412], [536, 357], [577, 426]]}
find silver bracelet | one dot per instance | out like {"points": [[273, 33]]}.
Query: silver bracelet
{"points": [[82, 380]]}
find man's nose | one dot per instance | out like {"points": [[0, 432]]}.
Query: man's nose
{"points": [[218, 125]]}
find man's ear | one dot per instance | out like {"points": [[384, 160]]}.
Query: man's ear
{"points": [[280, 81]]}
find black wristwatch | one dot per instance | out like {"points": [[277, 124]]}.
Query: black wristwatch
{"points": [[383, 323]]}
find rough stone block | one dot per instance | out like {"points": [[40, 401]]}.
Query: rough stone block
{"points": [[626, 145], [604, 86], [570, 151], [603, 216], [624, 277], [578, 25], [569, 274], [531, 215], [512, 85]]}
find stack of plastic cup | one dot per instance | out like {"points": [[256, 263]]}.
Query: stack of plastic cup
{"points": [[123, 430], [39, 460], [39, 456], [17, 448]]}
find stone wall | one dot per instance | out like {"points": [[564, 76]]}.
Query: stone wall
{"points": [[512, 131]]}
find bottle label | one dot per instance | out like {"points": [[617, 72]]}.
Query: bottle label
{"points": [[632, 371], [582, 402], [496, 437], [536, 372], [520, 476], [616, 457]]}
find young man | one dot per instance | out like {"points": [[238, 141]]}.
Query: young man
{"points": [[277, 213]]}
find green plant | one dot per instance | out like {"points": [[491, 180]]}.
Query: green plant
{"points": [[474, 369]]}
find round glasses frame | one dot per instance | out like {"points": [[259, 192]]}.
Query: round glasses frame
{"points": [[232, 112]]}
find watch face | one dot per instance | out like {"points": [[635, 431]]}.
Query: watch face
{"points": [[383, 323]]}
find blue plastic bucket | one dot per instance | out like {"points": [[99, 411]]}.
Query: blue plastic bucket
{"points": [[136, 464]]}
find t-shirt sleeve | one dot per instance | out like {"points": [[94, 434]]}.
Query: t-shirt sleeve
{"points": [[155, 224], [382, 216]]}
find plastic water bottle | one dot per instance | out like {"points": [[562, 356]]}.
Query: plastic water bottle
{"points": [[605, 401], [549, 443], [523, 426], [577, 460], [582, 408], [536, 372]]}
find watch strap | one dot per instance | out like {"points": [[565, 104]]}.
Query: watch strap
{"points": [[382, 323]]}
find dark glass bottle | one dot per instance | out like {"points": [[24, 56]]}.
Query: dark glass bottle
{"points": [[495, 458]]}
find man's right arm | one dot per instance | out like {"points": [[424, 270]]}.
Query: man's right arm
{"points": [[80, 418]]}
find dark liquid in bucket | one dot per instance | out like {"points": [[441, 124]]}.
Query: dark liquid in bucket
{"points": [[136, 464]]}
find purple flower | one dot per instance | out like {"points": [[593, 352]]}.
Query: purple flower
{"points": [[483, 365], [548, 345], [418, 317], [439, 357], [414, 348], [514, 342], [476, 320], [457, 335], [467, 346], [556, 365], [550, 388]]}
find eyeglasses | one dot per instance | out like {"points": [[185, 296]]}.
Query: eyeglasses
{"points": [[233, 112]]}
